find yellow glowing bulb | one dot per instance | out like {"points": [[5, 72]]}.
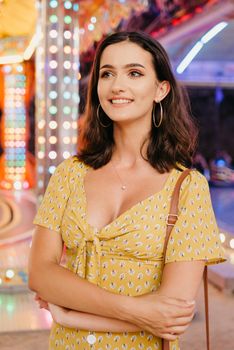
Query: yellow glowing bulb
{"points": [[41, 140], [66, 155], [41, 155], [53, 49], [10, 273], [67, 49], [66, 140], [232, 243], [53, 124], [66, 125], [74, 125], [222, 237], [52, 155], [41, 124], [52, 140]]}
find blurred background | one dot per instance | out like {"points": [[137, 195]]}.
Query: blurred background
{"points": [[46, 53]]}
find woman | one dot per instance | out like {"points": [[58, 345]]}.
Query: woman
{"points": [[109, 206]]}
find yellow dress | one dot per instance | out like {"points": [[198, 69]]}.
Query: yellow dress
{"points": [[125, 257]]}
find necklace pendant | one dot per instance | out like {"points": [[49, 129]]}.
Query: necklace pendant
{"points": [[123, 187]]}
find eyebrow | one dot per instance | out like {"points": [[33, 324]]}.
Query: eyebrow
{"points": [[130, 65]]}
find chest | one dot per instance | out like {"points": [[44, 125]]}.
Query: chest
{"points": [[106, 200]]}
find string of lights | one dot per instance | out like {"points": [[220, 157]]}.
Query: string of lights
{"points": [[15, 128], [57, 93]]}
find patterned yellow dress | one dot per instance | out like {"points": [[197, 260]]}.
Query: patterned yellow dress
{"points": [[125, 257]]}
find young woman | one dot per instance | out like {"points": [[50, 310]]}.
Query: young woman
{"points": [[108, 206]]}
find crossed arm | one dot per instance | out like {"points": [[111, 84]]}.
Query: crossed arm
{"points": [[165, 313]]}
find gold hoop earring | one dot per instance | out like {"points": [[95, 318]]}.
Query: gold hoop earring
{"points": [[99, 119], [154, 115]]}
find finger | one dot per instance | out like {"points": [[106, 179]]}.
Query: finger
{"points": [[185, 302], [177, 313], [179, 321], [44, 305], [182, 303], [178, 330], [169, 336]]}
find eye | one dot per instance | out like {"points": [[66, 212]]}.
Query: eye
{"points": [[106, 74], [135, 74]]}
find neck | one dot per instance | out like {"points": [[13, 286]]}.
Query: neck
{"points": [[128, 142]]}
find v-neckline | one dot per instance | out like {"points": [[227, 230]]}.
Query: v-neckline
{"points": [[125, 212]]}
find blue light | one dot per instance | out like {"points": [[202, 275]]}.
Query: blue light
{"points": [[53, 4], [76, 7], [52, 169], [53, 95], [67, 95], [213, 31], [67, 80], [68, 5], [199, 45], [90, 26], [189, 57], [219, 95], [53, 79], [220, 163]]}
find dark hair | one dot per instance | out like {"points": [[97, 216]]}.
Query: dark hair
{"points": [[171, 144]]}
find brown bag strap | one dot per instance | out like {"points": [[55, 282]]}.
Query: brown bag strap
{"points": [[206, 299], [173, 212], [171, 220]]}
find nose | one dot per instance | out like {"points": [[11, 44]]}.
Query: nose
{"points": [[118, 84]]}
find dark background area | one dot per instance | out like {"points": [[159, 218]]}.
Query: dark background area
{"points": [[214, 110]]}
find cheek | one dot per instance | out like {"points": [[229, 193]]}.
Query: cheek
{"points": [[102, 90], [99, 90], [146, 90]]}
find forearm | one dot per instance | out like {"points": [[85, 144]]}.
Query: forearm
{"points": [[85, 321], [76, 293]]}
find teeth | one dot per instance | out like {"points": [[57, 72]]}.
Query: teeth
{"points": [[119, 101]]}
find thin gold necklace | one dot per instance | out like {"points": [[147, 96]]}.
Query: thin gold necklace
{"points": [[123, 185]]}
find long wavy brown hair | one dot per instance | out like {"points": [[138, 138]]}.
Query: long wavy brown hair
{"points": [[171, 144]]}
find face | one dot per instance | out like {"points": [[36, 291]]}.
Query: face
{"points": [[128, 85]]}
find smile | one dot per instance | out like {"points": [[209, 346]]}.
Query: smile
{"points": [[120, 101]]}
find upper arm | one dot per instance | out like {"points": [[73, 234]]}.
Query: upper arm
{"points": [[47, 247], [182, 279], [47, 241], [194, 240]]}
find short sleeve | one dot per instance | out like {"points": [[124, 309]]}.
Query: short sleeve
{"points": [[51, 209], [195, 235]]}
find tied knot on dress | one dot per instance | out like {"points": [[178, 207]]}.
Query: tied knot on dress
{"points": [[90, 236], [88, 257]]}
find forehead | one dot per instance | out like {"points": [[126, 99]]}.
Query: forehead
{"points": [[124, 53]]}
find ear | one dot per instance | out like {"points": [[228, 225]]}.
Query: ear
{"points": [[162, 90]]}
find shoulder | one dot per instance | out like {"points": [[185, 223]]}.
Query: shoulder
{"points": [[71, 165], [194, 187], [195, 179]]}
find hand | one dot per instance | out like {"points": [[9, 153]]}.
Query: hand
{"points": [[57, 312], [162, 316], [42, 303]]}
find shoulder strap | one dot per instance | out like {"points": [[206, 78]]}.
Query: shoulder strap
{"points": [[173, 213], [206, 299], [171, 220]]}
